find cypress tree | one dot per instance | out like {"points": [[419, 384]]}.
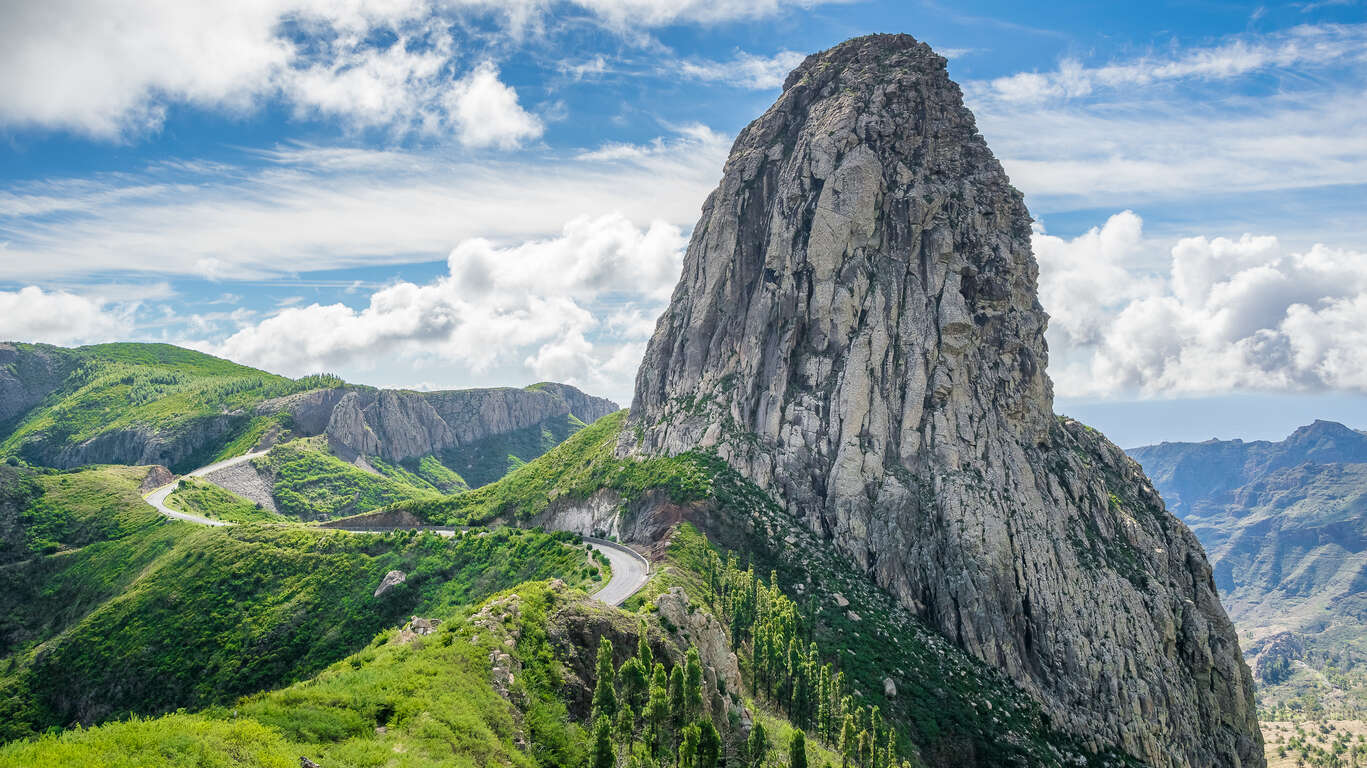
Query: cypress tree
{"points": [[603, 755], [797, 750], [693, 698], [757, 747], [604, 693]]}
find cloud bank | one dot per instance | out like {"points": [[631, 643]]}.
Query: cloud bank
{"points": [[1225, 315]]}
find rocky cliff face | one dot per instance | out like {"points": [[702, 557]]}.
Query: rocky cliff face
{"points": [[399, 424], [857, 330], [28, 373]]}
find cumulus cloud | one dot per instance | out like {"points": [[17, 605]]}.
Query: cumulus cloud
{"points": [[1226, 315], [58, 317], [536, 305], [487, 111], [111, 70]]}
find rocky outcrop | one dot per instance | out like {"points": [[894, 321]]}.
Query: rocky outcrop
{"points": [[399, 424], [246, 481], [181, 448], [391, 580], [28, 373], [382, 520], [856, 329], [699, 629]]}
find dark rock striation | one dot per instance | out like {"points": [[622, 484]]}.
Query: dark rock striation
{"points": [[400, 424], [857, 330]]}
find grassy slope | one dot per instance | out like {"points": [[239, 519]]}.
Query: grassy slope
{"points": [[157, 614], [200, 497], [432, 697], [574, 469], [57, 511], [309, 483], [426, 703], [160, 386]]}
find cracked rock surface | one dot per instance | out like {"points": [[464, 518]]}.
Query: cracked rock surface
{"points": [[857, 330]]}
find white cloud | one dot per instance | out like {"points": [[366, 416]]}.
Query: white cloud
{"points": [[487, 111], [745, 70], [1297, 48], [58, 317], [326, 208], [531, 307], [1226, 315], [1253, 114], [111, 69]]}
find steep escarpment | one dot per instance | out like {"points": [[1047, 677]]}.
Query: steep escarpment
{"points": [[473, 431], [160, 404], [857, 331]]}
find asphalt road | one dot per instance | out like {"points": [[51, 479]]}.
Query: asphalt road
{"points": [[630, 570]]}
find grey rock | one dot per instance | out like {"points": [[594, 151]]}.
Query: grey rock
{"points": [[28, 373], [399, 424], [856, 329], [889, 688], [700, 629], [246, 481], [391, 580]]}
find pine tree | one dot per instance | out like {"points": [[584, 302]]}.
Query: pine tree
{"points": [[625, 729], [823, 703], [657, 709], [757, 747], [632, 677], [677, 707], [603, 755], [604, 694], [709, 745], [693, 698], [849, 746], [797, 750], [688, 746]]}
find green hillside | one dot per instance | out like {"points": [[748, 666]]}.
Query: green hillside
{"points": [[309, 483], [196, 403], [150, 615]]}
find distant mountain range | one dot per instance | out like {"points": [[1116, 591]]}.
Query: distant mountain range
{"points": [[1285, 527]]}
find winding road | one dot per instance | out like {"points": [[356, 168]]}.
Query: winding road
{"points": [[630, 570]]}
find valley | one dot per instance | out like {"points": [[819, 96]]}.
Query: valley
{"points": [[841, 523]]}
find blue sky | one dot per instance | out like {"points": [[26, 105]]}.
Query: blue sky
{"points": [[454, 193]]}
